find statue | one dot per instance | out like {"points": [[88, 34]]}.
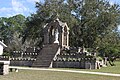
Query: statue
{"points": [[56, 36]]}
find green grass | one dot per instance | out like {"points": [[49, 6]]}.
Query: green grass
{"points": [[51, 75], [108, 69]]}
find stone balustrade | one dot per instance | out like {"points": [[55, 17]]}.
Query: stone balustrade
{"points": [[22, 59], [5, 58], [76, 63], [16, 54]]}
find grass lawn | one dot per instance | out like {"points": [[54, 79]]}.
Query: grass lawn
{"points": [[51, 75], [108, 69]]}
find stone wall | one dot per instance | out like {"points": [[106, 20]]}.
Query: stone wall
{"points": [[76, 64], [17, 54], [27, 63], [66, 64]]}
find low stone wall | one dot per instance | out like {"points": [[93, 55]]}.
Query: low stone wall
{"points": [[66, 64], [91, 65], [17, 54], [76, 64], [4, 58], [61, 64], [21, 63]]}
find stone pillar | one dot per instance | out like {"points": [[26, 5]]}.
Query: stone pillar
{"points": [[4, 67], [67, 38], [46, 38], [87, 65], [62, 39]]}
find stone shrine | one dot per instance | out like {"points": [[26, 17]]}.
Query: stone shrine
{"points": [[56, 52], [56, 32], [56, 37]]}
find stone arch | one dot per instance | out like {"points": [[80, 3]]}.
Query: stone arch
{"points": [[50, 33], [65, 36]]}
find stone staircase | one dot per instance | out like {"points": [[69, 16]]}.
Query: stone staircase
{"points": [[46, 55]]}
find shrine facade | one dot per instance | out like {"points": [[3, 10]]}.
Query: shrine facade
{"points": [[56, 32]]}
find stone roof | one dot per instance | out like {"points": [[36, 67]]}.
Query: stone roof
{"points": [[62, 24], [52, 23]]}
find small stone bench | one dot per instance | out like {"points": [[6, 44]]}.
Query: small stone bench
{"points": [[13, 69]]}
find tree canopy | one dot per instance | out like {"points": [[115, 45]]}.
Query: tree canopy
{"points": [[11, 29], [89, 21]]}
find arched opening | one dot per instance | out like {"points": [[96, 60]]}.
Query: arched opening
{"points": [[51, 34], [65, 36]]}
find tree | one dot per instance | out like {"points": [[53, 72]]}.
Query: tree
{"points": [[11, 29], [88, 20], [97, 18]]}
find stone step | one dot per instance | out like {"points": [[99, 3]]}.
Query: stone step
{"points": [[46, 55]]}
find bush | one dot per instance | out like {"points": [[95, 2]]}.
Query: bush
{"points": [[99, 58], [6, 54]]}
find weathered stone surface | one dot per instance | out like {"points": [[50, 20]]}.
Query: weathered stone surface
{"points": [[4, 67]]}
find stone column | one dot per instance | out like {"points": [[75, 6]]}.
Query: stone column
{"points": [[67, 38], [62, 40]]}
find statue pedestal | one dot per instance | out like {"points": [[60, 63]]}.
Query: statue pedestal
{"points": [[56, 41]]}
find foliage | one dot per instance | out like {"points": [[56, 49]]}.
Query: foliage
{"points": [[97, 19], [11, 29], [99, 58], [6, 54]]}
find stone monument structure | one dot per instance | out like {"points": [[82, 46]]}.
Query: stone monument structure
{"points": [[56, 36], [56, 52], [56, 32]]}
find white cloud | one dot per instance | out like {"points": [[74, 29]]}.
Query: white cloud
{"points": [[4, 9], [8, 11], [111, 3], [18, 6], [33, 1], [24, 7], [119, 27]]}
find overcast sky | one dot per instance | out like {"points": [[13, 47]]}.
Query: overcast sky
{"points": [[26, 7]]}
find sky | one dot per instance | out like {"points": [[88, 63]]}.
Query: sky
{"points": [[10, 8]]}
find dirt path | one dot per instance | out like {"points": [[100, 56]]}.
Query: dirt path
{"points": [[72, 71]]}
